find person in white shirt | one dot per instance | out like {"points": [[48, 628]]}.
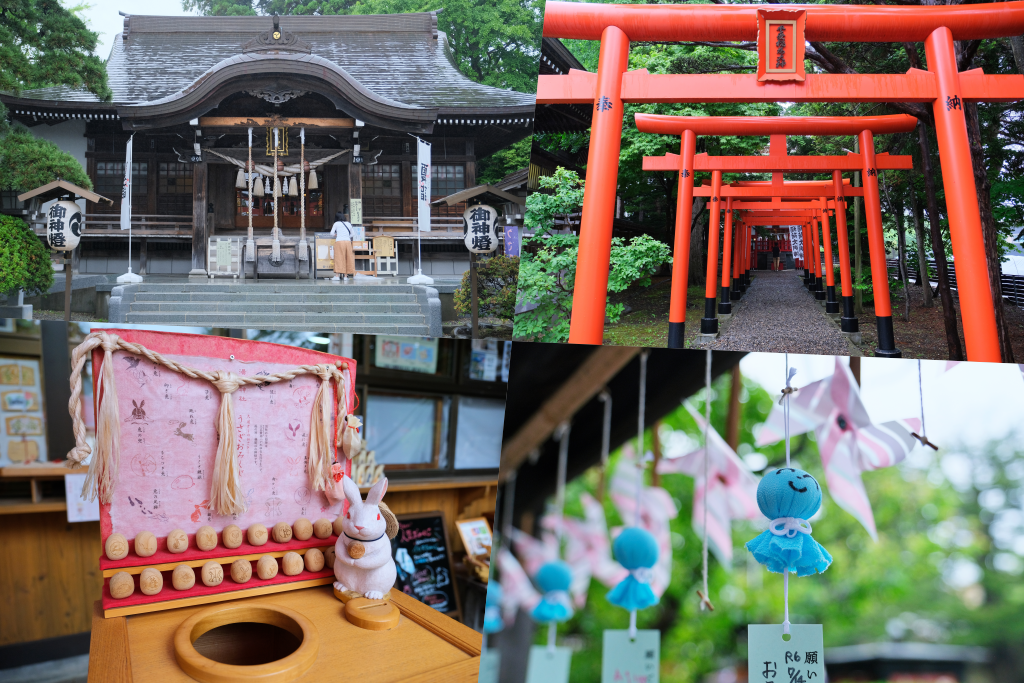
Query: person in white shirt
{"points": [[344, 256]]}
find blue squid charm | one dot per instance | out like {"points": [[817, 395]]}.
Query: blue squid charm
{"points": [[788, 497]]}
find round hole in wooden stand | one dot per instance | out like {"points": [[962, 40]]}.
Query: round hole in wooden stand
{"points": [[227, 643]]}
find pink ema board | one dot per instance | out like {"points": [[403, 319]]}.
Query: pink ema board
{"points": [[169, 435]]}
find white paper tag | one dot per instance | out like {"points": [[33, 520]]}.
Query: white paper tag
{"points": [[630, 661], [548, 666], [79, 509], [490, 666], [801, 659]]}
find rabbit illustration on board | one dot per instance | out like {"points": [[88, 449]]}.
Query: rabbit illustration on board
{"points": [[363, 561]]}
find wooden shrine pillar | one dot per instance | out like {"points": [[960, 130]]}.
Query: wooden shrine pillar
{"points": [[199, 236], [591, 285], [681, 247], [355, 194], [709, 323]]}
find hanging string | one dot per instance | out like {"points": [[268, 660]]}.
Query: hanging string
{"points": [[705, 596], [640, 455], [562, 434], [276, 244], [786, 394], [303, 248], [923, 436], [641, 459], [606, 434], [250, 243]]}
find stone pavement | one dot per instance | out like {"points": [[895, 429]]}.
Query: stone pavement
{"points": [[777, 314]]}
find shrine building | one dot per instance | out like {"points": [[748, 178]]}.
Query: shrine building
{"points": [[361, 88]]}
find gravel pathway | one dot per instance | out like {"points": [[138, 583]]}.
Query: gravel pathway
{"points": [[777, 314]]}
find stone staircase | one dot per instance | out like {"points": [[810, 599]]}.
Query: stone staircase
{"points": [[320, 306]]}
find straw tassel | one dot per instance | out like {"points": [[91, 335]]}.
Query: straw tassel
{"points": [[293, 189], [257, 189], [312, 181], [240, 180], [320, 450], [226, 488], [106, 460]]}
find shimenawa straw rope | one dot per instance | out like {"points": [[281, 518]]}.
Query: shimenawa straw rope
{"points": [[226, 494]]}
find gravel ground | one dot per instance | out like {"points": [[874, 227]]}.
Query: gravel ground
{"points": [[778, 314], [40, 314]]}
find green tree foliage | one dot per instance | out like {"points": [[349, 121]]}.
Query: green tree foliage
{"points": [[496, 288], [946, 567], [42, 44], [26, 162], [547, 270], [492, 41], [513, 158], [24, 260]]}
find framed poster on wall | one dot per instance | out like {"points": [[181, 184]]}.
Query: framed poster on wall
{"points": [[22, 423]]}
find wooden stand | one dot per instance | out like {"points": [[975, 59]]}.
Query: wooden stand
{"points": [[423, 646], [373, 615]]}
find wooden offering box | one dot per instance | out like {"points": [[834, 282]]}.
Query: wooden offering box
{"points": [[425, 645], [169, 440]]}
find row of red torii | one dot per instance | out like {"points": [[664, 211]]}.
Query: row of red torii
{"points": [[781, 78]]}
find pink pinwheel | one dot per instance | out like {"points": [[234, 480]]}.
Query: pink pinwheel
{"points": [[517, 591], [587, 545], [656, 509], [848, 442], [729, 487]]}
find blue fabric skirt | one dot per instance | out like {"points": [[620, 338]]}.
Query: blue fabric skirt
{"points": [[801, 554], [551, 611], [631, 594]]}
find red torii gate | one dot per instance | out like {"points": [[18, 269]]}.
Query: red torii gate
{"points": [[776, 190], [777, 161], [942, 85]]}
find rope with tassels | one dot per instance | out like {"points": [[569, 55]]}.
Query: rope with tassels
{"points": [[275, 254], [250, 243], [226, 495], [303, 248]]}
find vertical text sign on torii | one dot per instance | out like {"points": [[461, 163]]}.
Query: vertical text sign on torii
{"points": [[780, 45]]}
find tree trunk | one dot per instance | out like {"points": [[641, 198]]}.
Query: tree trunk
{"points": [[1017, 45], [988, 226], [922, 255], [956, 351], [901, 242], [698, 244], [858, 202]]}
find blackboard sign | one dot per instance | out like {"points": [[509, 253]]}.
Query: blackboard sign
{"points": [[424, 562]]}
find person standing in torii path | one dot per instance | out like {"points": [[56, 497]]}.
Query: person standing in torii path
{"points": [[776, 255]]}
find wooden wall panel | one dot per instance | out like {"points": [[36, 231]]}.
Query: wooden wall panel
{"points": [[223, 196], [451, 501], [49, 576]]}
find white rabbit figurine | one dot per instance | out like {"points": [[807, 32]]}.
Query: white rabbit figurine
{"points": [[367, 529]]}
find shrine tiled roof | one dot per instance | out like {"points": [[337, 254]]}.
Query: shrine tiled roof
{"points": [[401, 57]]}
